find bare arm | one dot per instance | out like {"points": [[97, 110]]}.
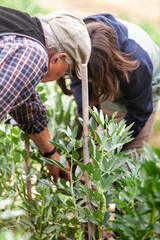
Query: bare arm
{"points": [[41, 141], [32, 119]]}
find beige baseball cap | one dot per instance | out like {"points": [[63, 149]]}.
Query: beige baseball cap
{"points": [[72, 33]]}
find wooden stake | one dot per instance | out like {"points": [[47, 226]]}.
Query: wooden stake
{"points": [[85, 104], [27, 164]]}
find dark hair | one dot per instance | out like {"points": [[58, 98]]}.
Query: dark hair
{"points": [[107, 65]]}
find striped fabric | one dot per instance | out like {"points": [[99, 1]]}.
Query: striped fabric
{"points": [[23, 64]]}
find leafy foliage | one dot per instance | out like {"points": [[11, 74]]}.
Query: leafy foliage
{"points": [[139, 200], [59, 211]]}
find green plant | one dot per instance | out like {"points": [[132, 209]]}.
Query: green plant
{"points": [[59, 210], [139, 201], [9, 217], [107, 167]]}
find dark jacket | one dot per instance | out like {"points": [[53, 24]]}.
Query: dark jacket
{"points": [[135, 98], [14, 21]]}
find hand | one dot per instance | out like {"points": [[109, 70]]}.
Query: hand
{"points": [[57, 172]]}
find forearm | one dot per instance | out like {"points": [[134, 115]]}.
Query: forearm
{"points": [[41, 140]]}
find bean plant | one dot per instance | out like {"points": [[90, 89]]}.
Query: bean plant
{"points": [[59, 210], [105, 168]]}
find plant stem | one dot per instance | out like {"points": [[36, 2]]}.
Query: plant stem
{"points": [[103, 208], [72, 190], [41, 218]]}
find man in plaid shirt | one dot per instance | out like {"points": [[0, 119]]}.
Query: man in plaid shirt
{"points": [[34, 50]]}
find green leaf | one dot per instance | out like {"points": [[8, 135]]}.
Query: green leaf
{"points": [[81, 165], [75, 155], [98, 196], [90, 192], [15, 140], [101, 134], [7, 214], [86, 210], [121, 128], [102, 117], [67, 118], [54, 162], [108, 198], [70, 203], [96, 174], [93, 124], [63, 183], [95, 114], [92, 147], [24, 136], [89, 168], [108, 145], [74, 221], [66, 132], [106, 119], [112, 128], [64, 192], [43, 236], [92, 220], [106, 183], [116, 146], [46, 182], [70, 146], [27, 224], [63, 161], [40, 88], [107, 164], [64, 219], [49, 229], [15, 131], [106, 219], [24, 153], [69, 131], [74, 132], [98, 215], [5, 202], [58, 145], [78, 171]]}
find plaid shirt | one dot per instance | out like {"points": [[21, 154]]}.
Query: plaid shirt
{"points": [[23, 64]]}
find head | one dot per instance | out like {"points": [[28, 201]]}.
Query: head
{"points": [[107, 65], [69, 43]]}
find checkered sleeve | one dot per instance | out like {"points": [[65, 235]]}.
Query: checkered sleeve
{"points": [[24, 63], [31, 116]]}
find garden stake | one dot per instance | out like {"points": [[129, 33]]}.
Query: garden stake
{"points": [[27, 165], [91, 226]]}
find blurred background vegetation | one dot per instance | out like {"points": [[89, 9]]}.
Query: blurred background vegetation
{"points": [[145, 13]]}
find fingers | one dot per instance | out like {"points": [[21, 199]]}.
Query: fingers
{"points": [[65, 175], [56, 172]]}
